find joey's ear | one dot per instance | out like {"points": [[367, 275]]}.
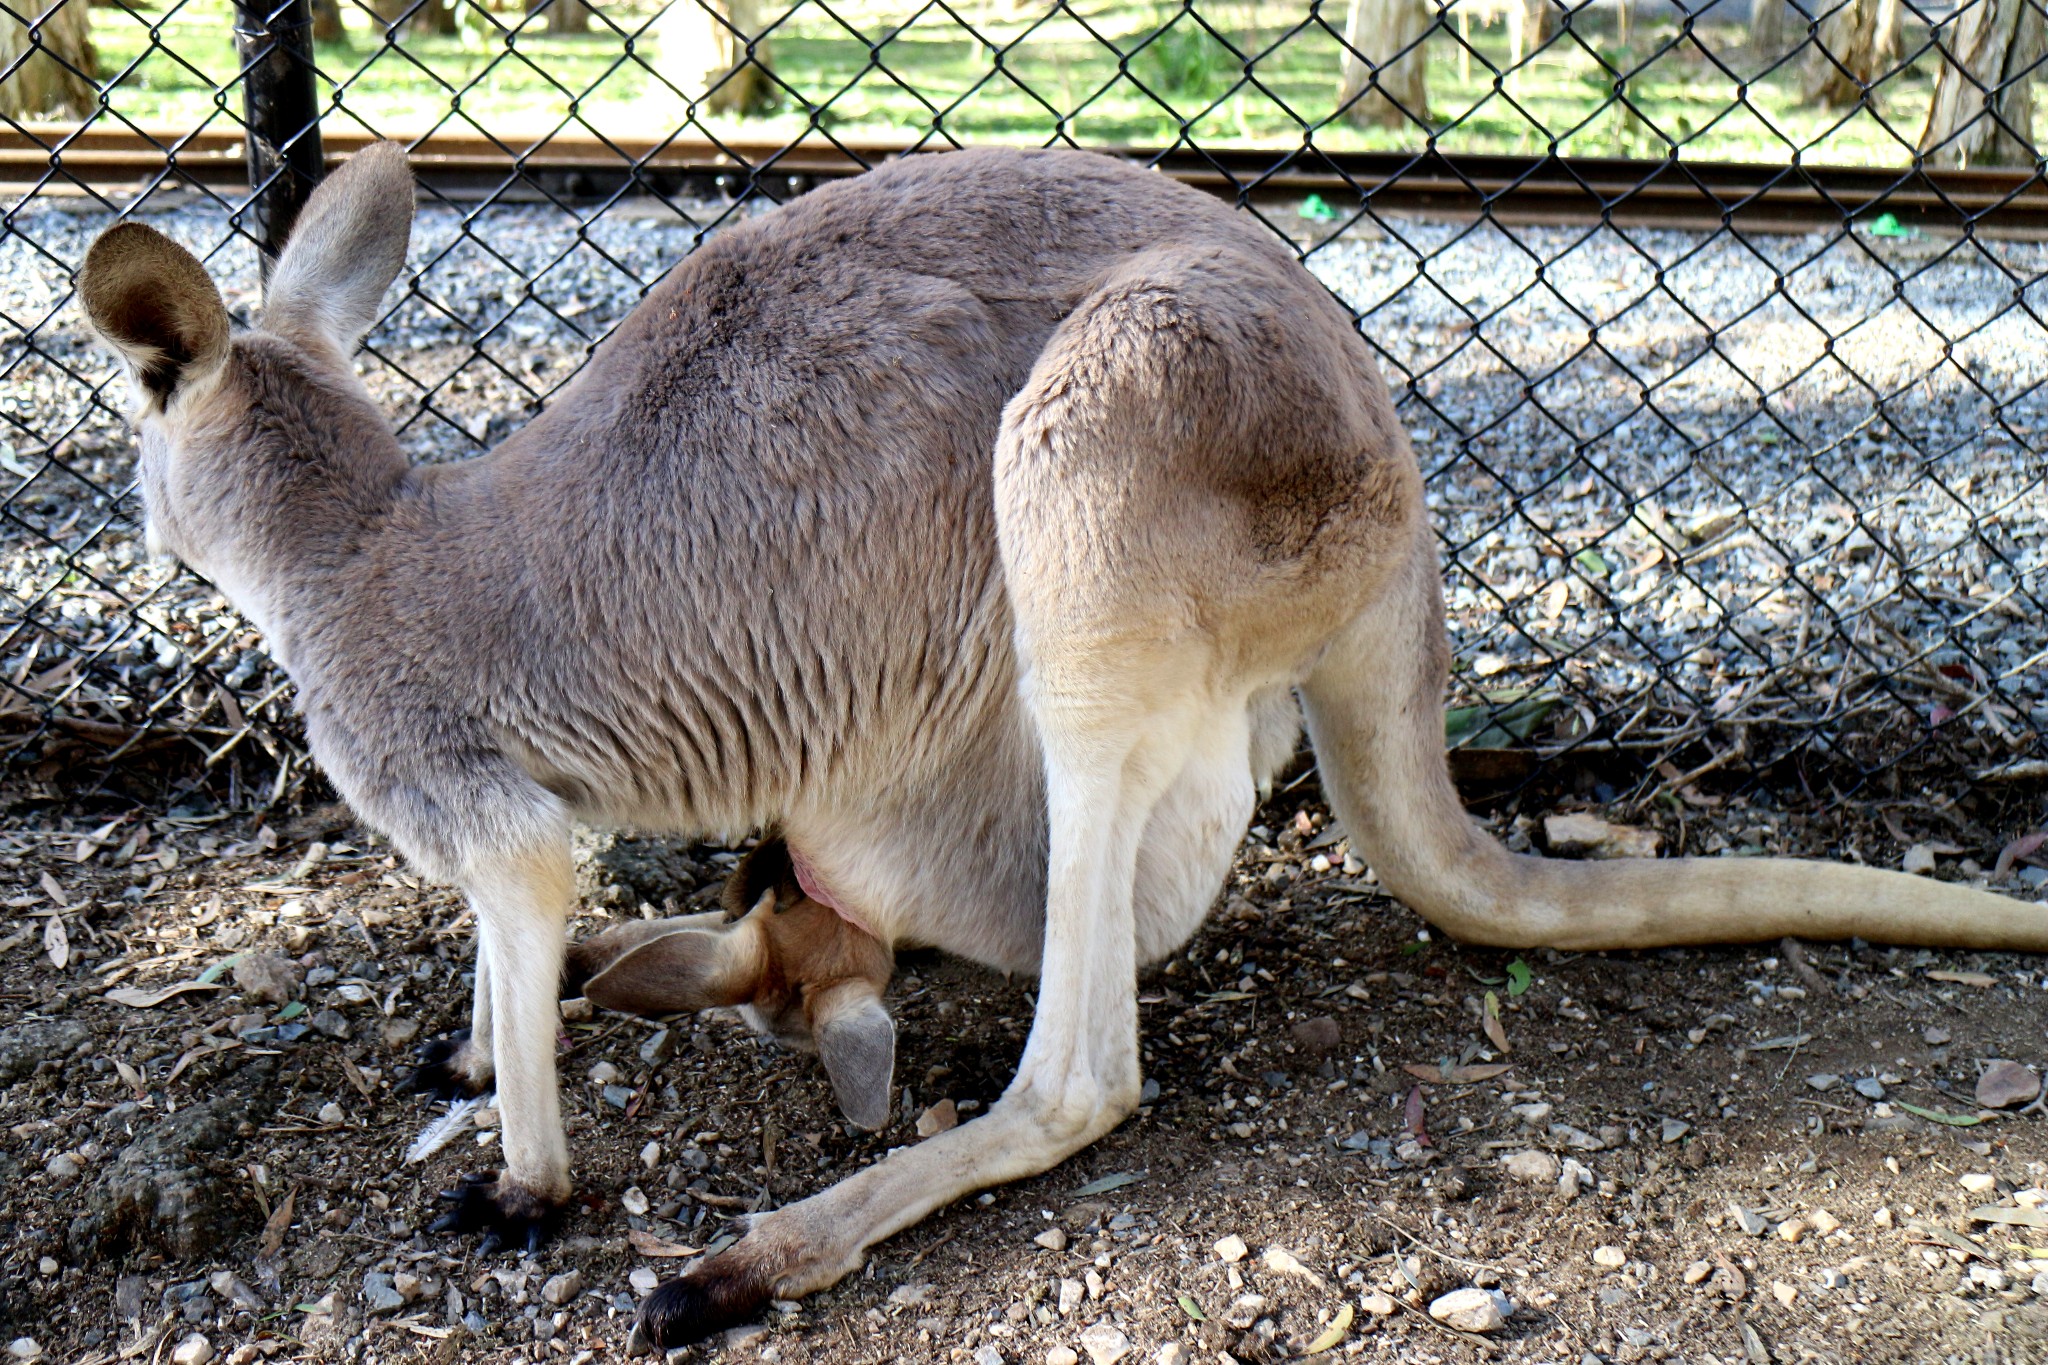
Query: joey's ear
{"points": [[857, 1042], [587, 957], [154, 305], [345, 250], [683, 971]]}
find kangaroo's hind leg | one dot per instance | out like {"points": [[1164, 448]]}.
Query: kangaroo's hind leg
{"points": [[1155, 590]]}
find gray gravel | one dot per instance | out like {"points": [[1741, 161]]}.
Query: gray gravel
{"points": [[1753, 470]]}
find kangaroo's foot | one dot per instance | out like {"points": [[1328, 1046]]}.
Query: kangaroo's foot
{"points": [[451, 1067], [504, 1211]]}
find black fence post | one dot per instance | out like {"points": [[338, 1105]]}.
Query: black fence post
{"points": [[280, 103]]}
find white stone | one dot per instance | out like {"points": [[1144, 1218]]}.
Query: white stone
{"points": [[25, 1348], [1062, 1355], [1379, 1305], [1533, 1167], [563, 1288], [1071, 1294], [635, 1202], [1470, 1310], [1977, 1182], [1614, 1258], [1052, 1239], [988, 1355], [193, 1350], [1104, 1344], [643, 1279], [1172, 1353], [1232, 1249]]}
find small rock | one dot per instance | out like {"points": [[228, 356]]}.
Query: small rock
{"points": [[1283, 1262], [400, 1031], [1533, 1115], [1674, 1129], [1793, 1230], [578, 1011], [1379, 1305], [987, 1355], [1978, 1182], [563, 1288], [330, 1023], [1751, 1222], [380, 1295], [1614, 1258], [1869, 1087], [1472, 1310], [1698, 1271], [2039, 1288], [1172, 1353], [1990, 1277], [1062, 1355], [1533, 1167], [1833, 1279], [1588, 836], [25, 1349], [938, 1118], [193, 1350], [2005, 1084], [1104, 1344], [1823, 1081], [643, 1279], [332, 1113], [1318, 1035], [1824, 1223], [634, 1201], [270, 978], [604, 1073], [62, 1168], [1231, 1249], [650, 1156], [47, 1266], [1882, 1218], [1784, 1293], [1072, 1292], [1244, 1310], [1052, 1239]]}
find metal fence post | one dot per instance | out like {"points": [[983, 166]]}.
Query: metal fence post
{"points": [[280, 104]]}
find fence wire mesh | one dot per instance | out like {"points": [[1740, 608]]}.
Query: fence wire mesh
{"points": [[1723, 351]]}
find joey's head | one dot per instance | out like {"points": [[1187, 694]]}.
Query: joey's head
{"points": [[793, 967], [241, 431]]}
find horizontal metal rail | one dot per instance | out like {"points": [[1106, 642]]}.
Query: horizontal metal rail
{"points": [[1510, 189]]}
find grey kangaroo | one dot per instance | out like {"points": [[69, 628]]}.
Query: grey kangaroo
{"points": [[1066, 489]]}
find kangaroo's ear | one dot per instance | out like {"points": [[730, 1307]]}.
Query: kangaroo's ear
{"points": [[766, 869], [155, 306], [857, 1042], [683, 970], [345, 250]]}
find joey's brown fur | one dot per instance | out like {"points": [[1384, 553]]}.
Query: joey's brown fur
{"points": [[1069, 492]]}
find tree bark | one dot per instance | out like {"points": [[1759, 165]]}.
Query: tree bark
{"points": [[1769, 23], [1385, 72], [701, 48], [1983, 109], [58, 80], [1530, 25], [564, 16], [327, 26], [1859, 44]]}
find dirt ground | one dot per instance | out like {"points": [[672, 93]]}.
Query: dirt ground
{"points": [[1711, 1156]]}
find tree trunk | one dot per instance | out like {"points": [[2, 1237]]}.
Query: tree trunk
{"points": [[701, 49], [327, 21], [436, 16], [1385, 72], [564, 16], [1770, 21], [58, 80], [1983, 109], [1859, 45]]}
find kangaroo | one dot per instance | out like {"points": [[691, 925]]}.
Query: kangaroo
{"points": [[1063, 481]]}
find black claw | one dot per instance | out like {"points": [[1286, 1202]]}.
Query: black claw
{"points": [[722, 1293], [434, 1071], [503, 1216]]}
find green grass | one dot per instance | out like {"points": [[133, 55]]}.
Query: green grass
{"points": [[1145, 74]]}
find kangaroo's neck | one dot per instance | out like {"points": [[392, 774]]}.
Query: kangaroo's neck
{"points": [[285, 507]]}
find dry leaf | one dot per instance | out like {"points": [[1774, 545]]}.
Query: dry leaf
{"points": [[1458, 1075], [55, 892], [274, 1227], [357, 1079], [647, 1244], [136, 998], [1412, 1115], [1489, 1020], [2026, 846], [131, 1078], [57, 941], [1333, 1335], [1962, 978]]}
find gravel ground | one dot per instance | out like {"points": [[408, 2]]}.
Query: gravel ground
{"points": [[1706, 500], [1708, 1157]]}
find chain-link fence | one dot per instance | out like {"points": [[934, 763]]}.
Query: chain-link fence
{"points": [[1719, 330]]}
